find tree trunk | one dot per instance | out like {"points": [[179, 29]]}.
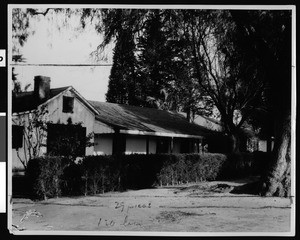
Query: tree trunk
{"points": [[234, 143], [278, 180], [188, 114]]}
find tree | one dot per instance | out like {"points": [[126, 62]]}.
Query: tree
{"points": [[267, 35], [67, 140], [35, 131], [154, 55], [122, 25], [161, 68], [16, 83], [223, 76], [122, 87]]}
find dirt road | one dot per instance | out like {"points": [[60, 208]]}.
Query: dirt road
{"points": [[195, 208]]}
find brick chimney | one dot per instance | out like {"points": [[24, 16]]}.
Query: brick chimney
{"points": [[41, 88]]}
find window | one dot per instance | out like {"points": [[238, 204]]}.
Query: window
{"points": [[163, 145], [17, 137], [185, 145], [68, 104]]}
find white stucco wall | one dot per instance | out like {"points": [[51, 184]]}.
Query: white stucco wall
{"points": [[152, 145], [100, 128], [136, 144], [103, 145], [262, 145]]}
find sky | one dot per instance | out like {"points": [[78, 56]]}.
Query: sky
{"points": [[49, 45]]}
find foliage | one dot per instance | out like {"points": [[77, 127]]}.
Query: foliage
{"points": [[71, 179], [122, 87], [100, 174], [192, 57], [16, 83], [266, 37], [239, 165], [70, 140], [159, 70], [185, 168], [45, 176]]}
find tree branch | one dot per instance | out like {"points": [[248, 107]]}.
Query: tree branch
{"points": [[35, 12]]}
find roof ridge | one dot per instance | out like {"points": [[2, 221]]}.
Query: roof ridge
{"points": [[50, 89], [133, 106]]}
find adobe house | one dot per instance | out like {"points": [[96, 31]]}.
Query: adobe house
{"points": [[116, 128]]}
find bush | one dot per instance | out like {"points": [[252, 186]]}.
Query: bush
{"points": [[45, 176], [139, 171], [244, 165], [100, 174], [185, 168], [261, 162], [71, 179]]}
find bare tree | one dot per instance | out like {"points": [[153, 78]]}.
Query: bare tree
{"points": [[34, 126]]}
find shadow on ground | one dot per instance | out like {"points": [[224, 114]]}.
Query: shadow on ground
{"points": [[253, 188]]}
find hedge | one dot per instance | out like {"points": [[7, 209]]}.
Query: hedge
{"points": [[100, 174], [53, 176], [56, 176], [185, 168], [241, 164], [44, 175]]}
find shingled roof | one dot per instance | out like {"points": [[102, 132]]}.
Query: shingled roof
{"points": [[25, 101], [127, 117]]}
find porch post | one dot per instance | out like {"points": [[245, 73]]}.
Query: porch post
{"points": [[119, 142], [147, 144], [115, 141], [172, 144], [269, 144]]}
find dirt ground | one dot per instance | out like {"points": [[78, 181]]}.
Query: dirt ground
{"points": [[191, 208]]}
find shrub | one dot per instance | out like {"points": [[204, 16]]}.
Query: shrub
{"points": [[71, 179], [45, 176], [261, 162], [184, 168], [139, 171], [100, 174], [244, 165]]}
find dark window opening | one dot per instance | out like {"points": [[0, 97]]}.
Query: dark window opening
{"points": [[66, 140], [119, 143], [163, 145], [17, 136], [185, 146], [68, 104]]}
